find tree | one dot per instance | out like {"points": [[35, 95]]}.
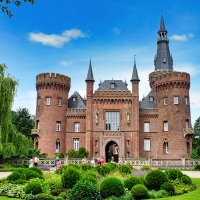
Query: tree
{"points": [[81, 153], [196, 140], [4, 5], [12, 143], [23, 121]]}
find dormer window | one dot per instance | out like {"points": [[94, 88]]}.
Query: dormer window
{"points": [[164, 60], [74, 98], [112, 85], [151, 98]]}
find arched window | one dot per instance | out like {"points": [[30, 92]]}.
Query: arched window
{"points": [[165, 147], [57, 146], [188, 147]]}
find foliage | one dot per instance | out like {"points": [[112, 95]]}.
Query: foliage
{"points": [[152, 194], [33, 187], [14, 176], [86, 167], [81, 153], [84, 190], [173, 174], [56, 189], [36, 169], [4, 5], [186, 179], [29, 174], [169, 187], [103, 169], [196, 140], [145, 168], [197, 167], [111, 186], [131, 181], [125, 169], [155, 179], [139, 191], [70, 177], [23, 121], [43, 196]]}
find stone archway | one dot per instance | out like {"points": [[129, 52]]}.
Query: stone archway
{"points": [[112, 149]]}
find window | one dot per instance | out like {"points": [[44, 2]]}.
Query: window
{"points": [[38, 101], [112, 121], [186, 123], [48, 101], [175, 100], [164, 60], [74, 99], [188, 147], [165, 125], [165, 147], [77, 127], [128, 155], [58, 126], [37, 124], [96, 154], [59, 101], [76, 143], [186, 100], [128, 143], [112, 85], [151, 98], [146, 126], [165, 101], [96, 143], [57, 146], [146, 144]]}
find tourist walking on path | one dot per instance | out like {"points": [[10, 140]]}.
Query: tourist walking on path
{"points": [[31, 163], [58, 164], [36, 160]]}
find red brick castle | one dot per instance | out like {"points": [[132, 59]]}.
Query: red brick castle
{"points": [[111, 120]]}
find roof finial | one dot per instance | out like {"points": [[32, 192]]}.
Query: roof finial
{"points": [[134, 60]]}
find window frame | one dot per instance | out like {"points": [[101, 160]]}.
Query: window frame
{"points": [[76, 127], [76, 143], [165, 126], [146, 127], [151, 98], [112, 120], [165, 101], [48, 101], [147, 144], [58, 126], [112, 85], [59, 101], [38, 101], [74, 99], [175, 100], [186, 100]]}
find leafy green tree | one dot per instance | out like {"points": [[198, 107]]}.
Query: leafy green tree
{"points": [[23, 121], [5, 3], [81, 153], [12, 143], [196, 140]]}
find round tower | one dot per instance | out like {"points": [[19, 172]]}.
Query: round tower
{"points": [[52, 102], [171, 90]]}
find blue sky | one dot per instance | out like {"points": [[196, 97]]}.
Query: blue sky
{"points": [[60, 36]]}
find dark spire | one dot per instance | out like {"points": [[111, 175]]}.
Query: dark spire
{"points": [[163, 59], [135, 73], [90, 73]]}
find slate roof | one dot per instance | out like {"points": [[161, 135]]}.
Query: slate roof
{"points": [[118, 85], [162, 25], [90, 73], [146, 103], [135, 76], [79, 103]]}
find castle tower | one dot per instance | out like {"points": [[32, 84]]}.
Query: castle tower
{"points": [[52, 102], [89, 109], [135, 109], [171, 89]]}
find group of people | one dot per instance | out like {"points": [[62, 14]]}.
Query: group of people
{"points": [[33, 162], [57, 163]]}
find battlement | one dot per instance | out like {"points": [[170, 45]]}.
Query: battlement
{"points": [[53, 78], [76, 110], [112, 92], [76, 113]]}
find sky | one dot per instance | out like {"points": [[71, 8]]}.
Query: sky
{"points": [[60, 36]]}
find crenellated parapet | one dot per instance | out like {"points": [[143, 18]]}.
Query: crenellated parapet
{"points": [[164, 80], [148, 113], [112, 93], [53, 80], [113, 100], [76, 113]]}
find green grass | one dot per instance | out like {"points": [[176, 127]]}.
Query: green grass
{"points": [[6, 198], [194, 195]]}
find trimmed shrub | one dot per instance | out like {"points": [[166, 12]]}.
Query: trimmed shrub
{"points": [[84, 190], [155, 179], [86, 167], [113, 166], [197, 167], [56, 189], [169, 187], [145, 168], [139, 191], [34, 187], [111, 186], [29, 174], [14, 176], [173, 174], [131, 181], [36, 169], [44, 196], [103, 169], [70, 177], [125, 169], [186, 179], [144, 181]]}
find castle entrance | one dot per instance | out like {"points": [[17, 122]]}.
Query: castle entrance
{"points": [[112, 149]]}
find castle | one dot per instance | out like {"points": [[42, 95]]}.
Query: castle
{"points": [[112, 121]]}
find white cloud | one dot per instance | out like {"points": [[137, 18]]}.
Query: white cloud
{"points": [[57, 40], [116, 30], [191, 35], [65, 63], [182, 37]]}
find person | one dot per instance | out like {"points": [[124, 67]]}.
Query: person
{"points": [[36, 160], [84, 160], [93, 163], [31, 163], [102, 161], [58, 164], [120, 161], [112, 159], [55, 161]]}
